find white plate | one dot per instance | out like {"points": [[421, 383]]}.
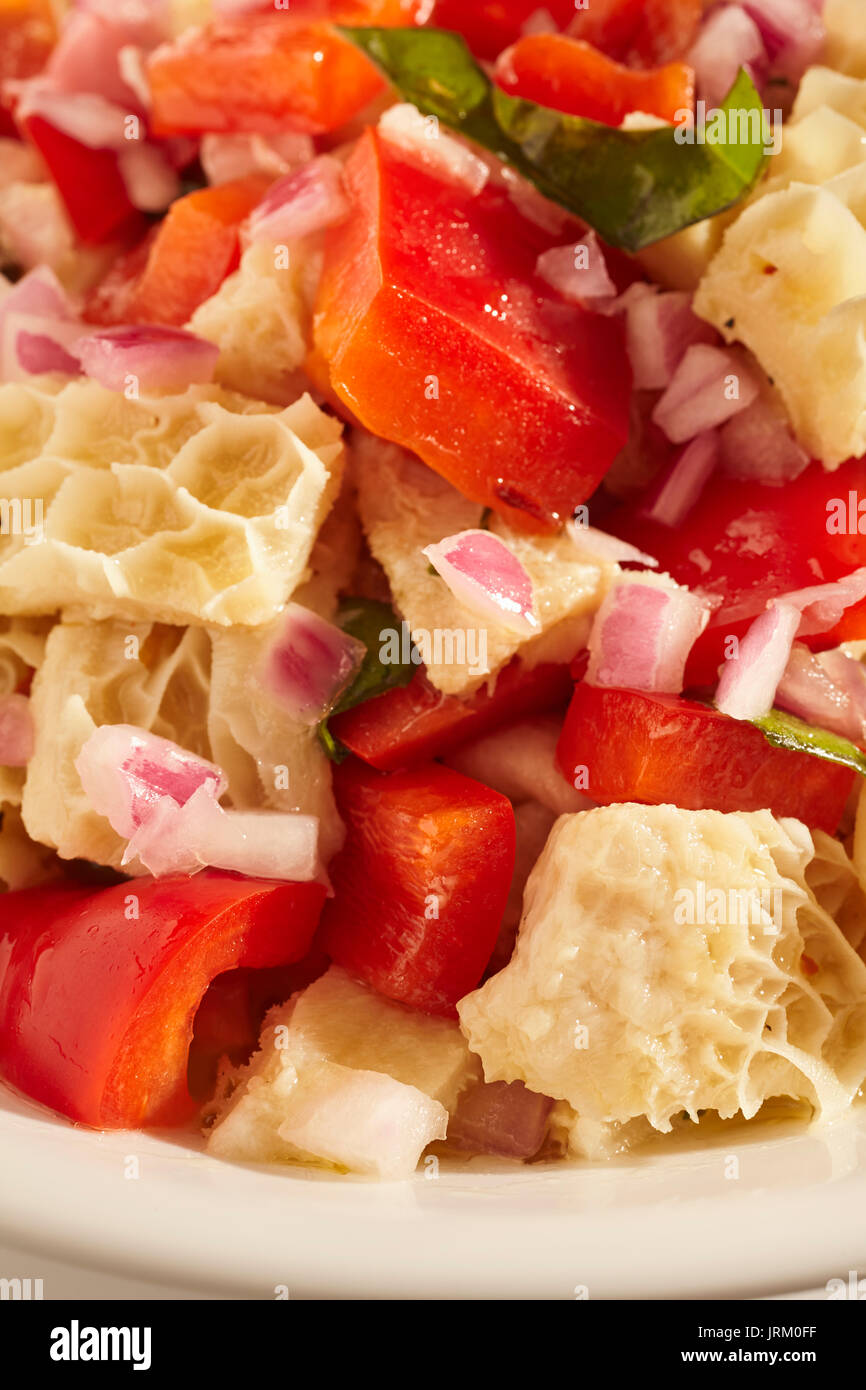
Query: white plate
{"points": [[672, 1225]]}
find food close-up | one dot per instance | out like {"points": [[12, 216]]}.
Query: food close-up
{"points": [[433, 623]]}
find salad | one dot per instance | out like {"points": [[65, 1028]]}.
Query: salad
{"points": [[433, 571]]}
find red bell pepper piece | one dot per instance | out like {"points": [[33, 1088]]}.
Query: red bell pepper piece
{"points": [[569, 75], [99, 989], [421, 883], [184, 262], [28, 32], [440, 336], [89, 182], [640, 33], [262, 73], [747, 542], [415, 722], [659, 748], [489, 25]]}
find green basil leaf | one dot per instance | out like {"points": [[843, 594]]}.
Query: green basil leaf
{"points": [[634, 187], [787, 731], [366, 619]]}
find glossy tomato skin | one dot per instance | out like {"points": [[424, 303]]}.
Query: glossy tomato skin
{"points": [[183, 262], [745, 543], [263, 74], [421, 883], [660, 749], [489, 25], [439, 335], [569, 75], [99, 989], [416, 722], [89, 183], [641, 33]]}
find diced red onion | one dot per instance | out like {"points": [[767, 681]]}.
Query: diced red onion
{"points": [[578, 272], [487, 577], [40, 293], [686, 480], [758, 444], [749, 680], [699, 395], [601, 546], [17, 734], [227, 157], [660, 327], [159, 358], [263, 844], [419, 138], [86, 57], [501, 1118], [84, 116], [642, 636], [531, 204], [793, 33], [31, 345], [126, 771], [151, 182], [310, 664], [728, 40], [301, 203], [827, 690], [821, 605]]}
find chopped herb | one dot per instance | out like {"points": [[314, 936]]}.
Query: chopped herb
{"points": [[634, 187], [367, 620], [786, 731]]}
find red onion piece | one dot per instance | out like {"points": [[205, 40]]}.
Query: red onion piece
{"points": [[686, 480], [422, 140], [750, 679], [660, 327], [150, 179], [793, 33], [501, 1118], [228, 157], [39, 293], [758, 443], [487, 577], [310, 664], [728, 40], [827, 690], [821, 605], [263, 844], [300, 203], [84, 116], [610, 549], [31, 345], [126, 771], [578, 272], [17, 734], [159, 358], [709, 386], [86, 57], [642, 636]]}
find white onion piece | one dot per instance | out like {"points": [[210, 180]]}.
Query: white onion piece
{"points": [[577, 272], [660, 327], [686, 480], [599, 545], [31, 345], [17, 734], [821, 605], [151, 182], [422, 139], [642, 637], [759, 444], [710, 385], [310, 664], [263, 844], [300, 203], [827, 690], [749, 680], [500, 1117], [126, 771], [487, 577], [228, 157], [157, 357], [728, 40]]}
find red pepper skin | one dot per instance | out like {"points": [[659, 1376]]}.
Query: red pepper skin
{"points": [[640, 33], [569, 75], [660, 749], [439, 335], [745, 543], [414, 723], [97, 1006], [421, 883], [88, 181], [489, 25]]}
